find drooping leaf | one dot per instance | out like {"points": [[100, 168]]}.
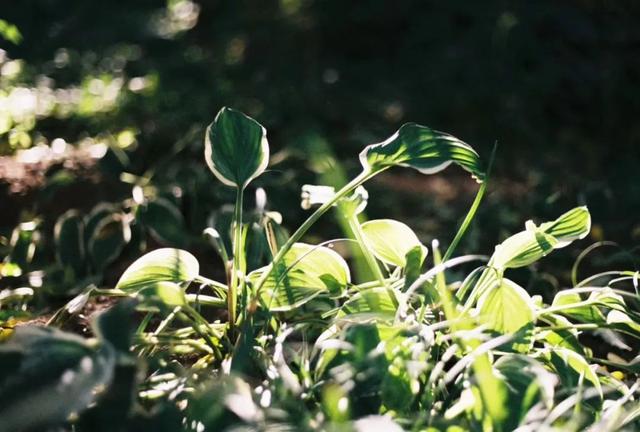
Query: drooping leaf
{"points": [[421, 148], [69, 241], [95, 216], [391, 241], [166, 264], [236, 148], [48, 374], [305, 272], [508, 309]]}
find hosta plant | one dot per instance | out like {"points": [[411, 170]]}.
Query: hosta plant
{"points": [[432, 342]]}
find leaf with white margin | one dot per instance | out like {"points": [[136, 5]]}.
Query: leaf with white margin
{"points": [[423, 149], [530, 245], [166, 264], [305, 272], [236, 148]]}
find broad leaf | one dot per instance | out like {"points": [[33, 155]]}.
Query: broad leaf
{"points": [[161, 295], [529, 246], [69, 240], [236, 148], [172, 265], [567, 337], [508, 309], [370, 303], [421, 148], [570, 366], [581, 312], [391, 241], [305, 272], [528, 383], [164, 221], [106, 241], [621, 320], [46, 375], [532, 244]]}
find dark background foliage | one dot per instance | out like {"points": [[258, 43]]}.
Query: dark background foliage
{"points": [[556, 84]]}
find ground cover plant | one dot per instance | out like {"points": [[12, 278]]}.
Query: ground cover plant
{"points": [[290, 339]]}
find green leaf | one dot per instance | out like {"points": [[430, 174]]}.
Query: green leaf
{"points": [[10, 32], [116, 325], [529, 246], [236, 148], [566, 337], [621, 320], [305, 272], [415, 257], [46, 375], [532, 244], [391, 241], [570, 366], [160, 295], [106, 241], [167, 264], [23, 244], [508, 309], [370, 303], [528, 382], [69, 241], [583, 313], [164, 221], [421, 148]]}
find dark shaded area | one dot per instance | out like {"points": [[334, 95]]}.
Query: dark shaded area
{"points": [[557, 84]]}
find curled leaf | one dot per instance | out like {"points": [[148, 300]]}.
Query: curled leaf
{"points": [[423, 149]]}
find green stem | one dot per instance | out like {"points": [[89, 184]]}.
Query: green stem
{"points": [[554, 309], [237, 281], [213, 283], [356, 228], [195, 319], [297, 235], [472, 211], [206, 300]]}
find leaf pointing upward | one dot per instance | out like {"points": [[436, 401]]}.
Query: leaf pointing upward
{"points": [[236, 148]]}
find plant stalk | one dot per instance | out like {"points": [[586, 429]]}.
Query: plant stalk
{"points": [[297, 235], [356, 228], [237, 281]]}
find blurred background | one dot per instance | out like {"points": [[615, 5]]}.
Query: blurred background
{"points": [[103, 107]]}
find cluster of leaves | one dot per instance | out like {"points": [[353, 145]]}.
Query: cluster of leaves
{"points": [[294, 343]]}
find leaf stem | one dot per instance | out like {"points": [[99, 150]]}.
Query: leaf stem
{"points": [[356, 228], [237, 281], [472, 210], [297, 235]]}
